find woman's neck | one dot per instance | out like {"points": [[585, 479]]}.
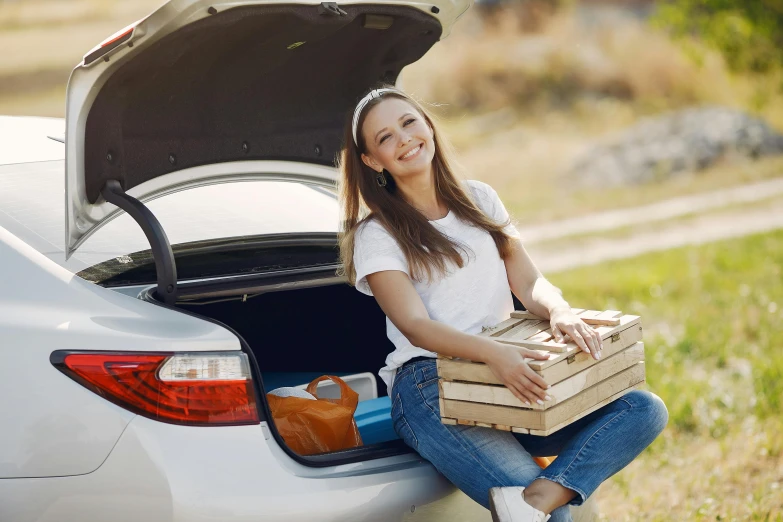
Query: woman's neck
{"points": [[419, 191]]}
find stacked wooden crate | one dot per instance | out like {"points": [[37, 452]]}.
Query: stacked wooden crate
{"points": [[471, 394]]}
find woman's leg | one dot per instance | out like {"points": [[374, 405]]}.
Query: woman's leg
{"points": [[474, 459], [595, 447]]}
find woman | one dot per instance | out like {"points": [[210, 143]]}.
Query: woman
{"points": [[442, 258]]}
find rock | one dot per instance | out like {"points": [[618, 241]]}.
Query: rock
{"points": [[677, 143]]}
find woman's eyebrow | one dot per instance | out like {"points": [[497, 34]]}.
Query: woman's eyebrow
{"points": [[380, 131], [400, 118]]}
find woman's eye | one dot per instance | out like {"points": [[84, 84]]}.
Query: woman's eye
{"points": [[410, 120], [384, 138]]}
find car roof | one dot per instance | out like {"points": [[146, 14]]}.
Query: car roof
{"points": [[25, 139]]}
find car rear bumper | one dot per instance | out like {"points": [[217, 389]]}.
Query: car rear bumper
{"points": [[167, 473]]}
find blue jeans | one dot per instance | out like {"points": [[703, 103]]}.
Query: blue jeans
{"points": [[476, 459]]}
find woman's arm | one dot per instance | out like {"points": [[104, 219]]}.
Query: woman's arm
{"points": [[545, 300], [403, 306]]}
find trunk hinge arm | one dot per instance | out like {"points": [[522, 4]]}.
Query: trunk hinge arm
{"points": [[162, 254]]}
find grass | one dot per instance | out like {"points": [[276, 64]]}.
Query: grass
{"points": [[713, 335]]}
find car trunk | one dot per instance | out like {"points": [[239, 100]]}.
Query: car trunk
{"points": [[298, 334]]}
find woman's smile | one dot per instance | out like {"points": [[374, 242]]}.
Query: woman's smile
{"points": [[412, 153]]}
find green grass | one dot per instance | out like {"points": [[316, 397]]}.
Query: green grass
{"points": [[713, 334]]}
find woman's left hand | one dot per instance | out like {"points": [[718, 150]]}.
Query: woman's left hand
{"points": [[565, 322]]}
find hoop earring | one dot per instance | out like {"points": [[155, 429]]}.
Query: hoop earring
{"points": [[381, 179]]}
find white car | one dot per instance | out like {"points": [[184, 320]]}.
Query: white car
{"points": [[190, 268]]}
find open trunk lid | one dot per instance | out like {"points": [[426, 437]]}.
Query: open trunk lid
{"points": [[198, 83]]}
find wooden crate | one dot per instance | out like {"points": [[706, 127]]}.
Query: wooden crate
{"points": [[471, 394]]}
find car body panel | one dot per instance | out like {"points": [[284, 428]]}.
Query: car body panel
{"points": [[167, 473], [54, 426], [25, 139]]}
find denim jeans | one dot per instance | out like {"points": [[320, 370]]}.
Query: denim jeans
{"points": [[476, 459]]}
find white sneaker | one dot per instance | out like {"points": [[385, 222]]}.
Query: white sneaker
{"points": [[508, 505]]}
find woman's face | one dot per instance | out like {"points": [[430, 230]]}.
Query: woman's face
{"points": [[397, 138]]}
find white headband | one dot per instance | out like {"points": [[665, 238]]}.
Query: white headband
{"points": [[375, 93]]}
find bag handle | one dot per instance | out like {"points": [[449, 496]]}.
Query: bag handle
{"points": [[348, 397]]}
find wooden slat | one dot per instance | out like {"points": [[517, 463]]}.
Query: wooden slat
{"points": [[502, 427], [520, 430], [591, 317], [564, 390], [464, 422], [501, 328], [581, 361], [544, 420], [542, 337], [464, 370], [524, 314], [588, 411], [626, 322], [589, 314], [598, 321], [534, 345], [598, 318], [525, 329], [450, 422], [440, 392]]}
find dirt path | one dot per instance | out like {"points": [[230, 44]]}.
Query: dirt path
{"points": [[656, 233]]}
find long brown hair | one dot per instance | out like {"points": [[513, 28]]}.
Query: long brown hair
{"points": [[425, 248]]}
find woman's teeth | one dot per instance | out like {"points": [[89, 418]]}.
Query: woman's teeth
{"points": [[411, 152]]}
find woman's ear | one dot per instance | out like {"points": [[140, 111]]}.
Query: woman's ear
{"points": [[371, 163]]}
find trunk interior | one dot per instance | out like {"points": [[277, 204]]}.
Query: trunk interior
{"points": [[297, 335]]}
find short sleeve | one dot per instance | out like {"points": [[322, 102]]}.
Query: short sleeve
{"points": [[375, 250], [489, 202]]}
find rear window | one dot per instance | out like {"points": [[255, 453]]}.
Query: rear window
{"points": [[241, 209], [32, 207]]}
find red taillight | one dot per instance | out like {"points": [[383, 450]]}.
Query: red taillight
{"points": [[207, 389]]}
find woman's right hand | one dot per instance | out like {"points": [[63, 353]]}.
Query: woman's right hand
{"points": [[508, 364]]}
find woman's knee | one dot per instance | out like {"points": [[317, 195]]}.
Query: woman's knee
{"points": [[655, 415]]}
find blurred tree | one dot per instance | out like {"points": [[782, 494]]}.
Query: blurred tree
{"points": [[749, 33]]}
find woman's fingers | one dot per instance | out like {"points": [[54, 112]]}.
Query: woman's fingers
{"points": [[557, 335], [528, 396], [539, 384], [515, 390], [534, 354], [578, 339], [587, 334], [592, 339], [534, 386]]}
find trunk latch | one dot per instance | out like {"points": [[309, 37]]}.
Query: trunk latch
{"points": [[330, 8]]}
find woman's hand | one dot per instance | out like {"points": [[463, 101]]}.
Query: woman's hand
{"points": [[565, 322], [508, 364]]}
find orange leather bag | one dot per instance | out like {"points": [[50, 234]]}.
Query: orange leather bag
{"points": [[317, 426]]}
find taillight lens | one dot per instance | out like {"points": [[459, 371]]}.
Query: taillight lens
{"points": [[198, 389]]}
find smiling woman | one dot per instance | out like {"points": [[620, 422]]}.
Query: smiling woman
{"points": [[442, 260]]}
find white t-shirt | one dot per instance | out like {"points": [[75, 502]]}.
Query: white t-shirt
{"points": [[467, 298]]}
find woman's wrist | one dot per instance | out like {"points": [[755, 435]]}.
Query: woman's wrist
{"points": [[492, 351], [559, 307]]}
